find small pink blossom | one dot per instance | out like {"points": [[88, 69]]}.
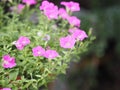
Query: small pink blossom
{"points": [[20, 7], [5, 89], [52, 13], [62, 13], [73, 20], [51, 54], [67, 42], [22, 42], [78, 34], [8, 62], [72, 6], [49, 9], [38, 51], [30, 2], [19, 45], [44, 5]]}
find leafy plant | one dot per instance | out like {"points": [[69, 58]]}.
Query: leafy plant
{"points": [[38, 43]]}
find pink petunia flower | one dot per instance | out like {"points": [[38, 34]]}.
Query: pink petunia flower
{"points": [[22, 42], [44, 5], [78, 34], [73, 20], [52, 13], [62, 13], [19, 45], [5, 89], [30, 2], [49, 9], [72, 6], [8, 62], [67, 42], [38, 51], [20, 7], [51, 54]]}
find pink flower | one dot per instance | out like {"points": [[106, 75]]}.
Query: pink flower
{"points": [[22, 42], [78, 34], [30, 2], [5, 89], [44, 5], [38, 51], [51, 54], [20, 7], [8, 62], [62, 13], [72, 6], [49, 9], [67, 42], [74, 21], [19, 46], [52, 13]]}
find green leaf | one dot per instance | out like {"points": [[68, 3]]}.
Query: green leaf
{"points": [[13, 74], [27, 84]]}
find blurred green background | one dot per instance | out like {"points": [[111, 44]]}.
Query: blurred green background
{"points": [[99, 68]]}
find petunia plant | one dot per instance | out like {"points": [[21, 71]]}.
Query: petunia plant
{"points": [[37, 43]]}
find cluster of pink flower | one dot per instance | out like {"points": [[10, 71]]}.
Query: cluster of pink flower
{"points": [[70, 6], [52, 11], [39, 51], [9, 62], [70, 40], [78, 34], [75, 33]]}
